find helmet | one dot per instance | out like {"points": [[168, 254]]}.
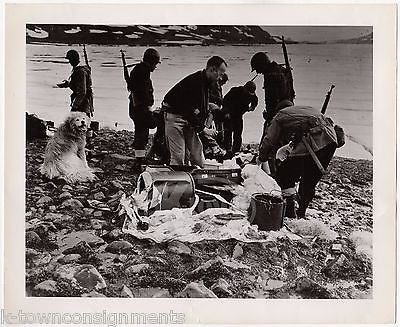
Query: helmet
{"points": [[250, 87], [259, 60], [151, 56], [72, 54]]}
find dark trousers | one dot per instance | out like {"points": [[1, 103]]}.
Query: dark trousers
{"points": [[233, 128], [142, 122], [305, 170]]}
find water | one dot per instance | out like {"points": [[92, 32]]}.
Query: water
{"points": [[316, 67]]}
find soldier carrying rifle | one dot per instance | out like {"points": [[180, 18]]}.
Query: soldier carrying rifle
{"points": [[80, 82]]}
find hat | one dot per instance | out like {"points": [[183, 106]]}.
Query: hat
{"points": [[151, 56], [259, 59], [72, 54], [250, 87]]}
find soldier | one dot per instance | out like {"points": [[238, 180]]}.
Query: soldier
{"points": [[186, 106], [141, 99], [277, 84], [311, 142], [80, 82], [237, 102]]}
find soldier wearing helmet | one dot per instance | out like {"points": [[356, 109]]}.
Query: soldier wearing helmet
{"points": [[141, 99], [236, 103], [277, 85], [80, 82]]}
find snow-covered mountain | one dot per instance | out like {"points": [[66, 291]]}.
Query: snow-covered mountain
{"points": [[147, 34]]}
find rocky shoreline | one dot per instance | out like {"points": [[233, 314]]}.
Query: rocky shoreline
{"points": [[74, 246]]}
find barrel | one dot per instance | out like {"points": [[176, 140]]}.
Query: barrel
{"points": [[266, 211]]}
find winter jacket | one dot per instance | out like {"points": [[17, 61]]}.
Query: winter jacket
{"points": [[237, 100], [81, 85], [277, 87], [292, 123], [140, 86], [189, 98]]}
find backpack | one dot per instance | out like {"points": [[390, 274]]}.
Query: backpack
{"points": [[35, 127]]}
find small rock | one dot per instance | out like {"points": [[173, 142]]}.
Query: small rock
{"points": [[48, 286], [151, 292], [98, 224], [136, 269], [88, 211], [67, 188], [207, 265], [70, 258], [38, 189], [121, 258], [70, 240], [221, 287], [58, 218], [99, 196], [119, 246], [237, 251], [117, 185], [126, 292], [310, 289], [340, 268], [32, 239], [52, 208], [65, 195], [115, 234], [98, 214], [179, 248], [274, 284], [197, 290], [85, 276], [157, 260], [119, 167], [41, 259], [44, 200], [93, 294], [50, 186], [82, 248], [72, 204]]}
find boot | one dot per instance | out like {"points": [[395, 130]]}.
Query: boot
{"points": [[290, 211]]}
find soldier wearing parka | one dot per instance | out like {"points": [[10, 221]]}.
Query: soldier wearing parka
{"points": [[291, 123]]}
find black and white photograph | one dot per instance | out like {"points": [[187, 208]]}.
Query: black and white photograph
{"points": [[179, 161], [199, 161]]}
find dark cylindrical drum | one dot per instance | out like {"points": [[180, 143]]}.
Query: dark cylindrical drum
{"points": [[266, 211]]}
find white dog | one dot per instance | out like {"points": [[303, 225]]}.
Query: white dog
{"points": [[65, 152]]}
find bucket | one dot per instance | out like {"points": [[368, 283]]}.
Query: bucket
{"points": [[266, 211]]}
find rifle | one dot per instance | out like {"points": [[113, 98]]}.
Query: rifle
{"points": [[327, 98], [126, 73], [287, 64], [85, 55]]}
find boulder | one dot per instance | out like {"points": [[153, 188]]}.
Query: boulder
{"points": [[68, 241], [99, 196], [179, 248], [82, 248], [32, 239], [197, 290], [136, 269], [221, 287], [119, 247], [126, 292], [58, 218], [44, 200], [88, 211], [48, 286], [98, 224], [69, 258], [85, 276], [65, 195], [41, 259], [72, 204], [310, 289]]}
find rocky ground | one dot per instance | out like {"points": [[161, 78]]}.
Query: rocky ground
{"points": [[74, 249]]}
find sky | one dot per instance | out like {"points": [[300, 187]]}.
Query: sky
{"points": [[318, 33]]}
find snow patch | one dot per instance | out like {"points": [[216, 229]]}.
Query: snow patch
{"points": [[73, 30], [133, 36], [38, 33], [312, 227], [118, 32], [363, 242], [94, 31]]}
